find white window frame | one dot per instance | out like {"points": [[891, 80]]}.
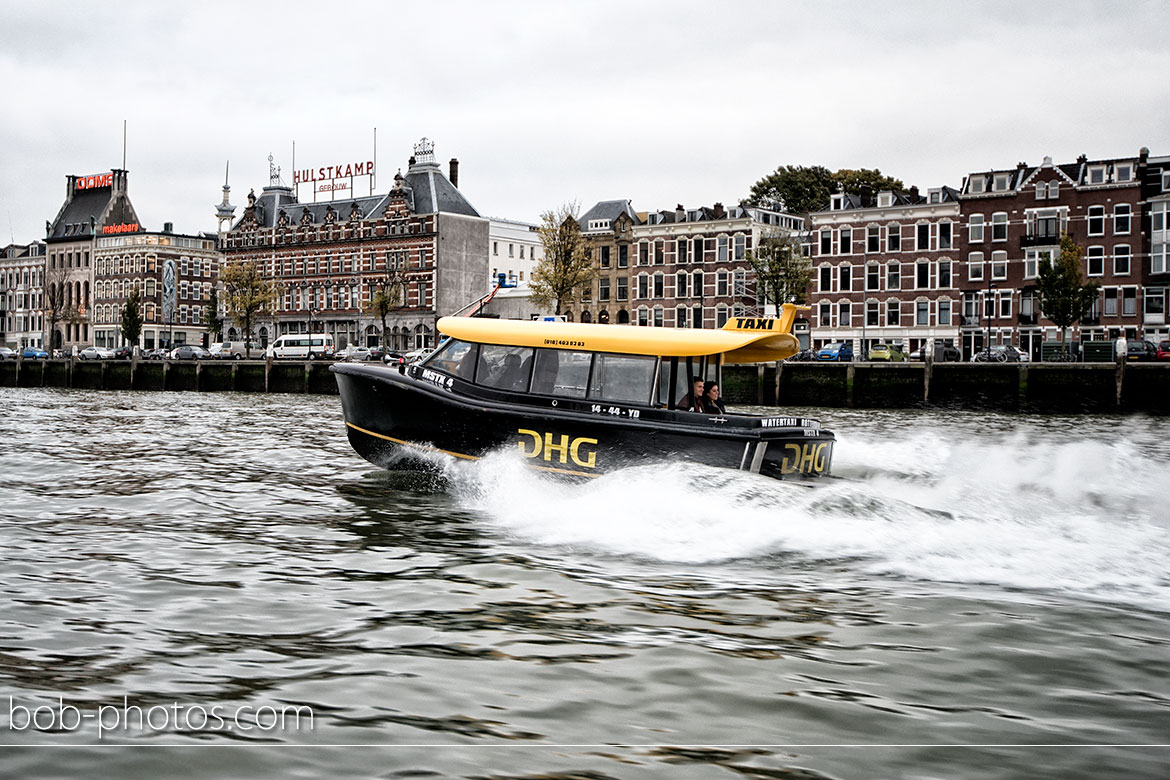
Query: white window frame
{"points": [[1095, 212], [999, 259], [1128, 255], [1122, 211], [1097, 175], [894, 265], [977, 185], [895, 229], [1003, 182], [975, 269], [1090, 257], [996, 222], [976, 223], [1121, 168]]}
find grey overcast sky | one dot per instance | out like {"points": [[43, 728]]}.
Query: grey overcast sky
{"points": [[548, 102]]}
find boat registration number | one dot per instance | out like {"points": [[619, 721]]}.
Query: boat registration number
{"points": [[616, 411]]}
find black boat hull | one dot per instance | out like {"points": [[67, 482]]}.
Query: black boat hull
{"points": [[394, 419]]}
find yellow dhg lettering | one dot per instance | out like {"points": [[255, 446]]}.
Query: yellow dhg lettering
{"points": [[808, 458], [565, 448]]}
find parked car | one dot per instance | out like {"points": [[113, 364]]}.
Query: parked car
{"points": [[358, 354], [123, 353], [34, 353], [418, 355], [891, 353], [156, 354], [943, 353], [1163, 350], [838, 350], [1141, 350], [1000, 353], [96, 353], [190, 352], [7, 353]]}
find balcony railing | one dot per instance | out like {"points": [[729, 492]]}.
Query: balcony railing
{"points": [[1039, 239], [970, 322]]}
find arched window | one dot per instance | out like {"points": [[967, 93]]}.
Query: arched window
{"points": [[586, 316], [623, 317]]}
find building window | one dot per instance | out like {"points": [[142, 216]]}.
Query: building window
{"points": [[623, 290], [894, 275], [922, 233], [1005, 304], [643, 253], [1123, 172], [697, 284], [680, 284], [1121, 257], [1003, 182], [680, 250], [643, 286], [893, 311], [844, 309], [944, 274], [998, 266], [975, 228], [624, 256], [1111, 302], [872, 315], [944, 235], [922, 275], [826, 242], [659, 252], [680, 317], [604, 257], [643, 316], [720, 315], [1096, 220], [846, 246], [944, 311], [826, 315], [873, 276], [825, 279], [975, 267], [1095, 261], [700, 245], [659, 320], [1097, 174], [721, 245], [999, 223], [659, 285], [1158, 257], [1129, 302], [976, 185], [1121, 215], [697, 317], [740, 247], [740, 283], [894, 238], [603, 289], [873, 239], [922, 312], [721, 288], [845, 277]]}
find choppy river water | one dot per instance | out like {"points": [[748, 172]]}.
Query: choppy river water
{"points": [[982, 596]]}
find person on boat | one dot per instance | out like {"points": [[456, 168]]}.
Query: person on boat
{"points": [[511, 372], [711, 401], [693, 401]]}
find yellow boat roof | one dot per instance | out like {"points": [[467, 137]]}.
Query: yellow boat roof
{"points": [[741, 340]]}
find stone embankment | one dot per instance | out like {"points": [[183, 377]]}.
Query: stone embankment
{"points": [[1036, 387]]}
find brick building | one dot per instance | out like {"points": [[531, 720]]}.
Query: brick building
{"points": [[1155, 220], [884, 269], [328, 258], [1013, 222], [22, 278], [683, 268]]}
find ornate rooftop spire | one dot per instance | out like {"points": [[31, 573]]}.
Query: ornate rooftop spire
{"points": [[225, 211]]}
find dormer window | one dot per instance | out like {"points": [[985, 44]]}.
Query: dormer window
{"points": [[1053, 190], [977, 185], [935, 196], [1123, 172], [885, 199], [1097, 174], [599, 224], [837, 203], [1003, 182]]}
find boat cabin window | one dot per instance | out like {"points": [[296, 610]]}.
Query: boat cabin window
{"points": [[504, 367], [623, 378], [561, 372], [454, 357]]}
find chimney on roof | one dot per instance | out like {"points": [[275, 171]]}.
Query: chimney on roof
{"points": [[454, 177], [70, 186], [168, 227], [1084, 158], [1021, 165], [680, 214], [866, 196], [719, 211], [914, 194], [1144, 154]]}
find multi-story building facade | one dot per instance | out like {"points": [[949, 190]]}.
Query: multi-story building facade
{"points": [[22, 276], [97, 205], [1155, 218], [514, 250], [175, 275], [1013, 221], [683, 268], [327, 259], [884, 269]]}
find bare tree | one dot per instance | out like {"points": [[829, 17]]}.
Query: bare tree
{"points": [[247, 295], [782, 271], [389, 293], [566, 270]]}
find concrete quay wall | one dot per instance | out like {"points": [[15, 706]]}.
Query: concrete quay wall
{"points": [[1008, 387], [249, 376]]}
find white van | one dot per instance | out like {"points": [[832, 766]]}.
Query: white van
{"points": [[302, 346]]}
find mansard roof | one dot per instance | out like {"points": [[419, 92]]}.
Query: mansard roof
{"points": [[609, 209], [79, 215]]}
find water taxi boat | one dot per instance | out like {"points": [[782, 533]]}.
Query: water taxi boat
{"points": [[578, 399]]}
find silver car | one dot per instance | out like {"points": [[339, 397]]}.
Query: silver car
{"points": [[96, 353]]}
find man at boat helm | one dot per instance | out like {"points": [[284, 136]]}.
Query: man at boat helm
{"points": [[692, 401]]}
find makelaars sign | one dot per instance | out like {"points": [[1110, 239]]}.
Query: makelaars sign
{"points": [[93, 182]]}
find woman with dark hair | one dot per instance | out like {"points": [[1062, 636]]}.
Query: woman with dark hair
{"points": [[711, 401]]}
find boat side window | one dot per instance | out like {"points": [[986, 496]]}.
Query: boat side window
{"points": [[561, 372], [454, 357], [505, 367], [623, 378]]}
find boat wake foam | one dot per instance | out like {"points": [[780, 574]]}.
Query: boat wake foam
{"points": [[1079, 517]]}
